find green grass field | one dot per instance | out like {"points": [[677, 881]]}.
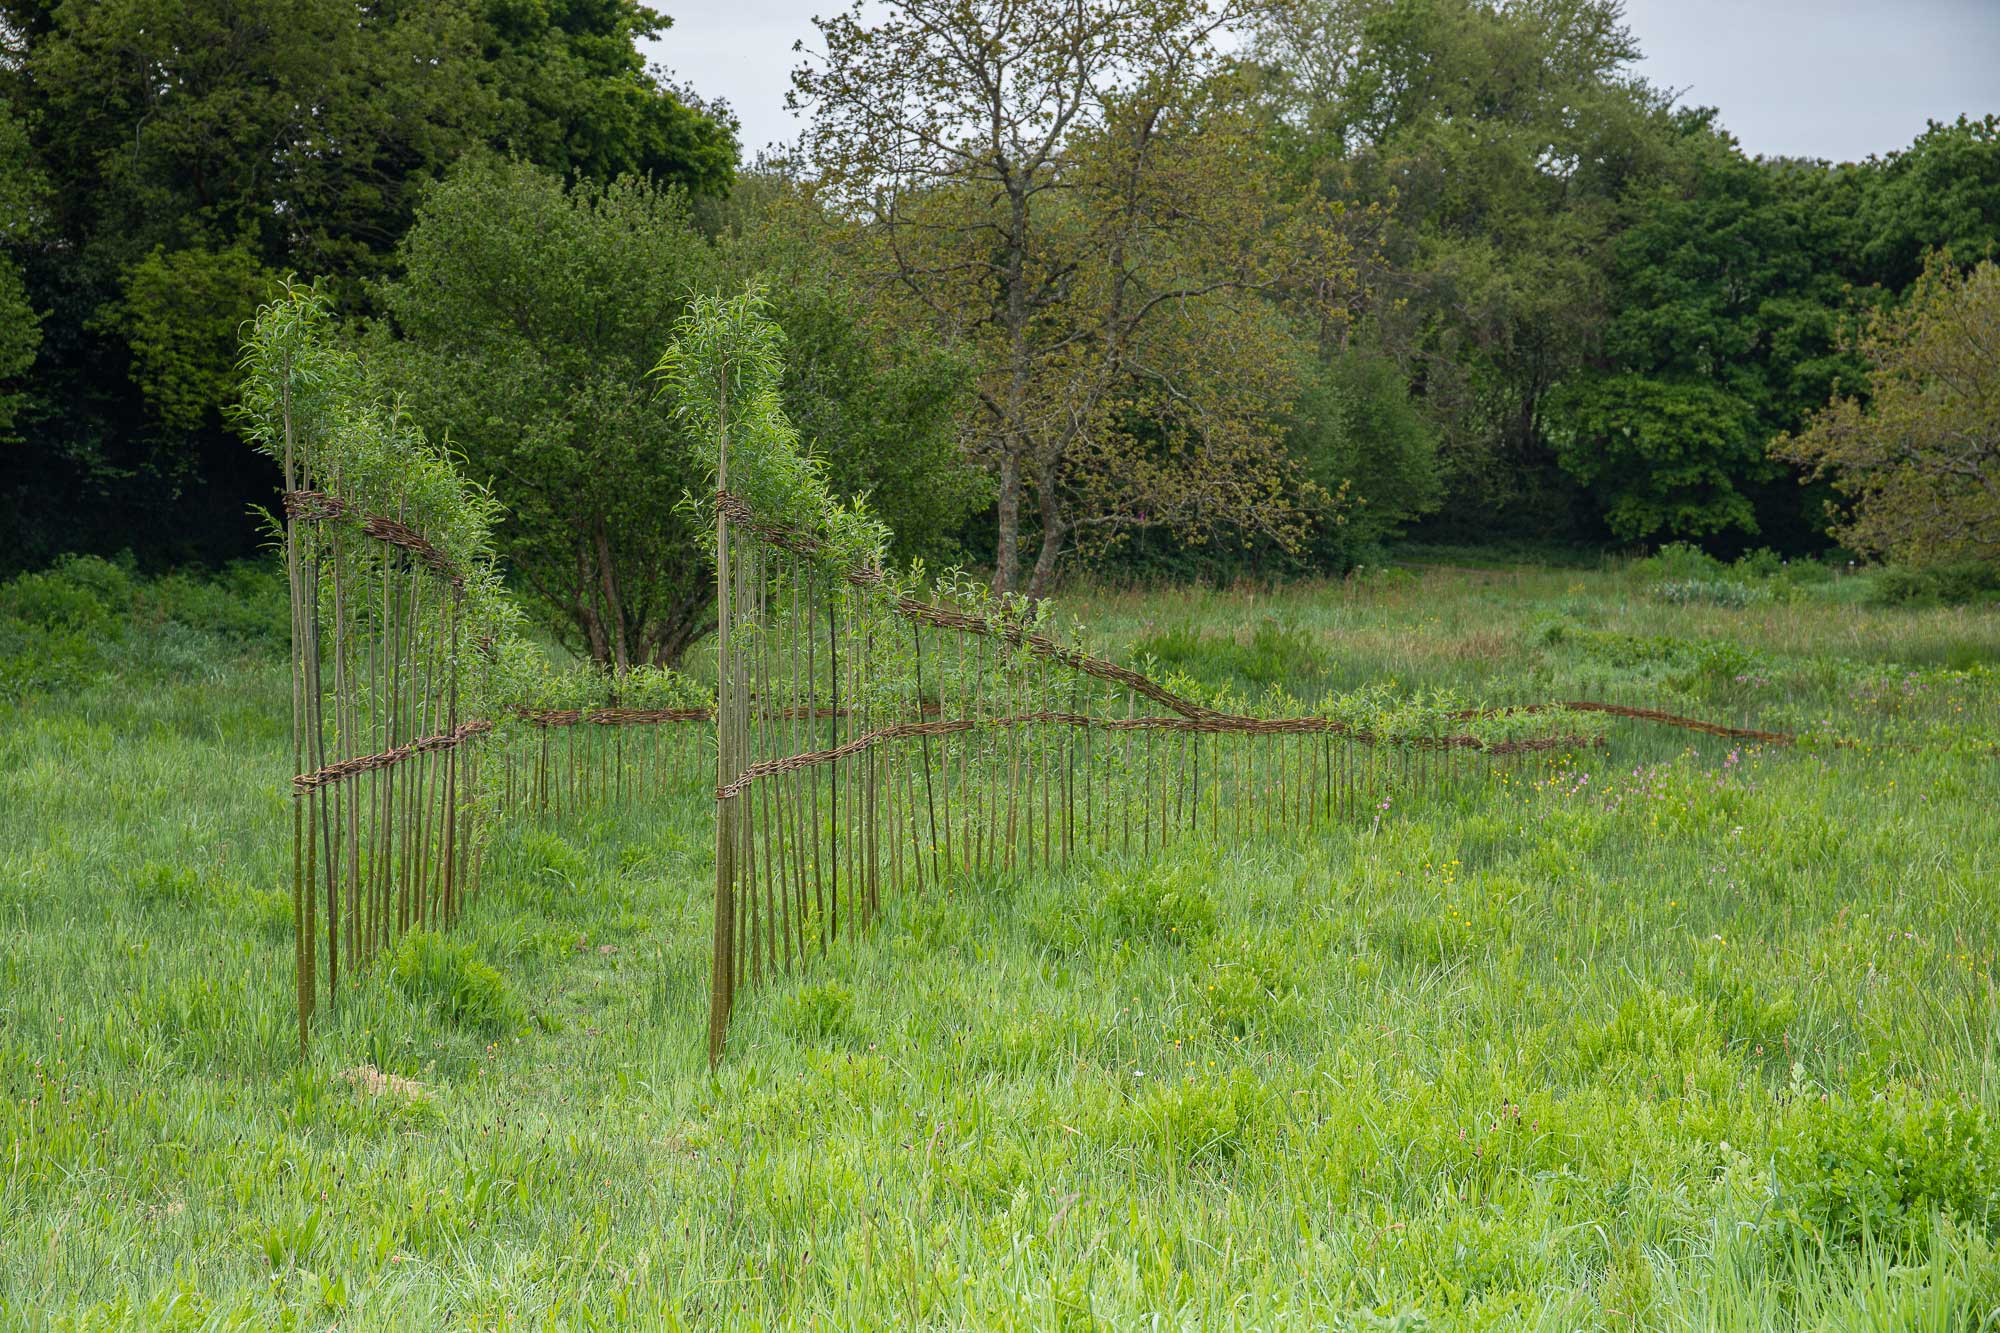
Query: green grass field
{"points": [[1677, 1035]]}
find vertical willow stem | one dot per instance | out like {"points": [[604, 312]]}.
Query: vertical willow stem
{"points": [[301, 937], [721, 979]]}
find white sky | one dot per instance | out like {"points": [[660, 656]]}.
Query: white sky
{"points": [[1838, 79]]}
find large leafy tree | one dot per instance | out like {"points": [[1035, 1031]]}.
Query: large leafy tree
{"points": [[524, 328], [527, 319], [1726, 299], [1070, 191], [1940, 193], [23, 196], [1504, 134], [1919, 459], [198, 148]]}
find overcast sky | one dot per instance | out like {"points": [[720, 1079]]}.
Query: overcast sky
{"points": [[1838, 79]]}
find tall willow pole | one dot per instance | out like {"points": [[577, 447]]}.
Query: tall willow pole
{"points": [[722, 982]]}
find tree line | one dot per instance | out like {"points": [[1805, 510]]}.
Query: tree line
{"points": [[1175, 286]]}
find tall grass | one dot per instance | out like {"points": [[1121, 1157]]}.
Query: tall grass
{"points": [[1697, 1037]]}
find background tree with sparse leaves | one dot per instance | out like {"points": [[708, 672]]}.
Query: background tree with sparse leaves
{"points": [[1074, 193]]}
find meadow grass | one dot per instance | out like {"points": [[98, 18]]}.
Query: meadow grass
{"points": [[1679, 1035]]}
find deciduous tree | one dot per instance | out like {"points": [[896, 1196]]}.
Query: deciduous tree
{"points": [[1920, 459], [1504, 133], [1072, 190], [528, 318], [1726, 298], [191, 145]]}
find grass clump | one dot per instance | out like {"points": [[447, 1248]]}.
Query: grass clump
{"points": [[820, 1015], [1166, 904], [1270, 654], [465, 990], [1248, 984], [1196, 1122]]}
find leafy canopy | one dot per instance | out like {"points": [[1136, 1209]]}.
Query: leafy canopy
{"points": [[1919, 460]]}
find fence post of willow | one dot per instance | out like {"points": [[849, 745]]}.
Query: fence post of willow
{"points": [[722, 977], [301, 941], [930, 799]]}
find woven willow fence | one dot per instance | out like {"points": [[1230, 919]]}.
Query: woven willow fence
{"points": [[386, 558], [873, 734]]}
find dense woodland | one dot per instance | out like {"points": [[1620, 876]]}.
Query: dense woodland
{"points": [[1064, 286]]}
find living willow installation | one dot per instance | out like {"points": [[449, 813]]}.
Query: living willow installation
{"points": [[419, 717], [870, 733]]}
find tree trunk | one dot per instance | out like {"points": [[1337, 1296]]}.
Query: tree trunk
{"points": [[1055, 531], [1007, 557], [688, 620], [608, 582], [583, 612]]}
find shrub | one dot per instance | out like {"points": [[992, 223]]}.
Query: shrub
{"points": [[79, 592], [1708, 592], [465, 990], [245, 604], [1762, 563], [64, 627], [1936, 585], [1680, 562]]}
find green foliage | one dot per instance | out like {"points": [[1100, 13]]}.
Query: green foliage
{"points": [[1709, 592], [1727, 293], [525, 320], [1503, 134], [1940, 193], [1274, 654], [178, 152], [1591, 288], [1886, 1167], [1919, 461], [878, 406], [1369, 447], [309, 406], [1247, 985], [1666, 458], [576, 91], [183, 316], [1130, 372], [448, 974], [721, 374], [1167, 904], [21, 190], [821, 1014], [1937, 585], [1197, 1123], [85, 618]]}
